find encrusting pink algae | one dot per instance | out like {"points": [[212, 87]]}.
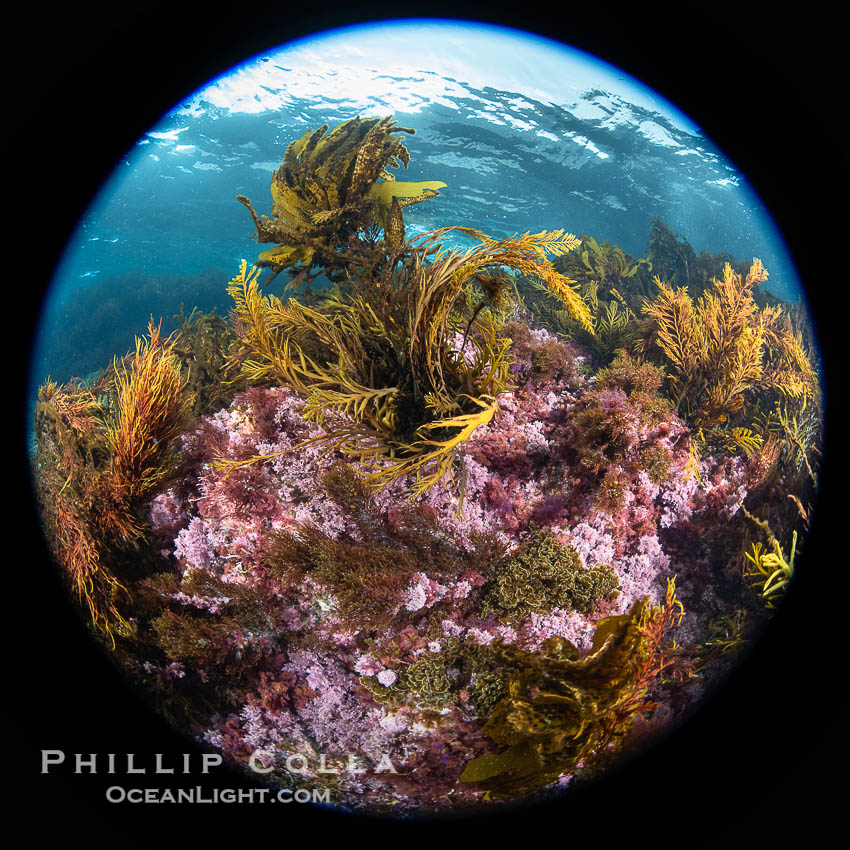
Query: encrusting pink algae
{"points": [[521, 474]]}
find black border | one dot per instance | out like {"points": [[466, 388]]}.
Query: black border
{"points": [[764, 84]]}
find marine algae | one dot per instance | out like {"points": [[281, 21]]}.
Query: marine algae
{"points": [[380, 366], [563, 711], [368, 568], [723, 349], [102, 450], [770, 572], [607, 268], [326, 191], [544, 574]]}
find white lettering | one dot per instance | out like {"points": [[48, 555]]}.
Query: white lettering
{"points": [[112, 791], [323, 768], [302, 762], [210, 760], [256, 765], [90, 763], [385, 764], [49, 757]]}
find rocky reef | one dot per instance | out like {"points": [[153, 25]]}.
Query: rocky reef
{"points": [[459, 528]]}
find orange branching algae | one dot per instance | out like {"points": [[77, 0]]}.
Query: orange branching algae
{"points": [[102, 450]]}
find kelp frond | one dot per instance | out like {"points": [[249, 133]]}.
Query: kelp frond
{"points": [[723, 347], [797, 431], [390, 391], [326, 190], [78, 551], [771, 570], [744, 441], [615, 328], [527, 254], [677, 328], [608, 263], [563, 710], [696, 444], [381, 367]]}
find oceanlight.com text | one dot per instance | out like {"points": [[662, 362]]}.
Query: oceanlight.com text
{"points": [[198, 795]]}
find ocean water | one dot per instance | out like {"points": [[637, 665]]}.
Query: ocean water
{"points": [[553, 139]]}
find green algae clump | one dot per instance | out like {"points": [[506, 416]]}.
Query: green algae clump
{"points": [[543, 575]]}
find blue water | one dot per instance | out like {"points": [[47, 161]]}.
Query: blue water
{"points": [[553, 139]]}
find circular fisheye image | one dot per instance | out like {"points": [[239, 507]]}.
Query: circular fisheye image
{"points": [[422, 430]]}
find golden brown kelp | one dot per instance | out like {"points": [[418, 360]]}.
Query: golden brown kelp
{"points": [[723, 349], [615, 325], [768, 572], [608, 268], [226, 628], [526, 254], [784, 473], [728, 636], [397, 379], [363, 369], [101, 451], [326, 191], [562, 711], [150, 411]]}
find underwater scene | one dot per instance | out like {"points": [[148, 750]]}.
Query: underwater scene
{"points": [[432, 432]]}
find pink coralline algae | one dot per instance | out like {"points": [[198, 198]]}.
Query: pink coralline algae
{"points": [[605, 476]]}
